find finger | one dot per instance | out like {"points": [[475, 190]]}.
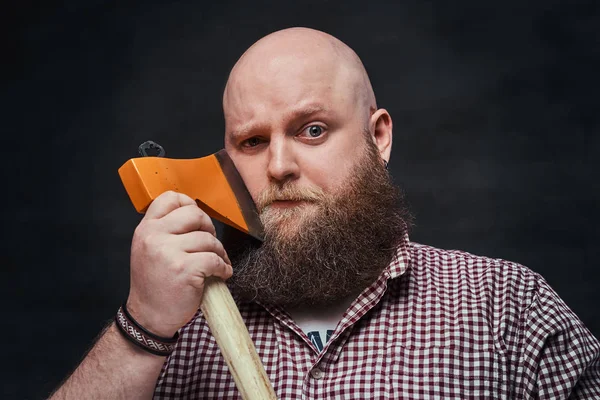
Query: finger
{"points": [[226, 257], [188, 218], [167, 202], [200, 242], [204, 265]]}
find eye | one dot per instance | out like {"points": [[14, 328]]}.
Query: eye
{"points": [[314, 130], [251, 142]]}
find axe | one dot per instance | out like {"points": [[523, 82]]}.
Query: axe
{"points": [[218, 189]]}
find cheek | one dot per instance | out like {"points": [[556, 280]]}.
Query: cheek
{"points": [[331, 168], [326, 174], [252, 172]]}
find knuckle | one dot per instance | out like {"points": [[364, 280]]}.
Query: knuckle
{"points": [[147, 235], [178, 266], [142, 226], [152, 241], [203, 221], [214, 260], [196, 215], [197, 280], [140, 234], [184, 196], [200, 241], [167, 197], [148, 246], [213, 243], [207, 238], [169, 194], [173, 199], [199, 214]]}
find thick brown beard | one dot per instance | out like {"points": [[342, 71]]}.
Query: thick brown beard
{"points": [[339, 249]]}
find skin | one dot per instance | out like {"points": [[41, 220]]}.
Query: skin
{"points": [[287, 85], [173, 249]]}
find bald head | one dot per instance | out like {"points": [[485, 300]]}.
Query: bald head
{"points": [[299, 110], [292, 65]]}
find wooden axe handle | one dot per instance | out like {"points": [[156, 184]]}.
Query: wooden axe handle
{"points": [[232, 336]]}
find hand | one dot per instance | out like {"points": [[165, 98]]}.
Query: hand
{"points": [[174, 249]]}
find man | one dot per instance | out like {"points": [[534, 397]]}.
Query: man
{"points": [[339, 303]]}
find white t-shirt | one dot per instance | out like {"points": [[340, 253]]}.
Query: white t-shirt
{"points": [[319, 323]]}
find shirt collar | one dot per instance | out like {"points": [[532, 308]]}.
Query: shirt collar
{"points": [[401, 260]]}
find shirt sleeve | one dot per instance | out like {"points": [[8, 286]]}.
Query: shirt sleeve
{"points": [[560, 356]]}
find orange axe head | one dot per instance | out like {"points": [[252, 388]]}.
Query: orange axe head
{"points": [[213, 181]]}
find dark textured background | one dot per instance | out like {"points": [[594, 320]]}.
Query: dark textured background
{"points": [[495, 106]]}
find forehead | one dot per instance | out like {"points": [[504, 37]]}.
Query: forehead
{"points": [[283, 85]]}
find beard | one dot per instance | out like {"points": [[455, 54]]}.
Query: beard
{"points": [[327, 247]]}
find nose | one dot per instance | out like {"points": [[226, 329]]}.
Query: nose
{"points": [[282, 165]]}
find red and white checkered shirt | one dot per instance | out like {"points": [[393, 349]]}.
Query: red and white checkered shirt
{"points": [[437, 324]]}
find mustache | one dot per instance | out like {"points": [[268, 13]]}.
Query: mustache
{"points": [[290, 193]]}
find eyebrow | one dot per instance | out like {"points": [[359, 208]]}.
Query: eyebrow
{"points": [[299, 113]]}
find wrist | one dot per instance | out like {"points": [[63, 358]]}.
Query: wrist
{"points": [[149, 320], [141, 336]]}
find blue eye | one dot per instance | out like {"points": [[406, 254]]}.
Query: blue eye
{"points": [[315, 130]]}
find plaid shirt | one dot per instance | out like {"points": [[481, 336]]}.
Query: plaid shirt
{"points": [[437, 324]]}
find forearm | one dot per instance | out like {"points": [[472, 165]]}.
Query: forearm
{"points": [[113, 369], [166, 283]]}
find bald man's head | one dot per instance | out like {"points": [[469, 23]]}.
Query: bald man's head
{"points": [[296, 58], [303, 130]]}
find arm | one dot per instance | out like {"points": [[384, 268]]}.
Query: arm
{"points": [[114, 368], [174, 249], [560, 355]]}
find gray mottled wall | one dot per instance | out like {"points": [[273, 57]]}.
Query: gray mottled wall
{"points": [[496, 139]]}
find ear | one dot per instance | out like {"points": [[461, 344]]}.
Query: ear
{"points": [[380, 124]]}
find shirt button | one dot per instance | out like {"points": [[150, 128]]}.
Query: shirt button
{"points": [[317, 373]]}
